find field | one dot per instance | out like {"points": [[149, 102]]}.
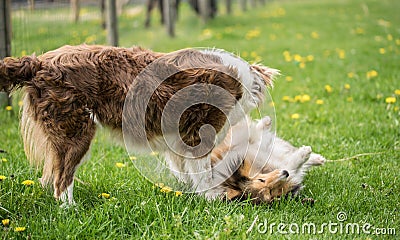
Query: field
{"points": [[339, 93]]}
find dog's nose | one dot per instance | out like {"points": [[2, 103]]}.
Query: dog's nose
{"points": [[285, 173]]}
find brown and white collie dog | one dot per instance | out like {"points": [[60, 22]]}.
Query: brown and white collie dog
{"points": [[70, 90], [252, 163]]}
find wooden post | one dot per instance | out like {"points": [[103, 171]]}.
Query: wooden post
{"points": [[169, 12], [75, 6], [5, 40], [228, 6], [205, 9], [112, 23]]}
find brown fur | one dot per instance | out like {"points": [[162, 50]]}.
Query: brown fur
{"points": [[66, 89]]}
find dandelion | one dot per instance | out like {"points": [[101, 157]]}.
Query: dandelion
{"points": [[382, 50], [372, 74], [207, 33], [28, 182], [359, 30], [178, 193], [390, 100], [310, 58], [154, 153], [120, 165], [379, 96], [5, 222], [252, 34], [349, 99], [104, 195], [297, 98], [9, 108], [160, 185], [289, 78], [341, 54], [133, 158], [286, 98], [302, 65], [272, 37], [397, 41], [350, 75], [166, 189], [2, 177], [347, 86], [245, 54], [389, 37], [319, 101], [295, 116], [397, 91], [20, 103], [19, 229], [314, 35], [271, 104], [297, 58], [384, 23], [328, 89], [4, 160]]}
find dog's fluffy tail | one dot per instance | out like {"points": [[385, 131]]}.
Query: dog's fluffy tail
{"points": [[15, 72]]}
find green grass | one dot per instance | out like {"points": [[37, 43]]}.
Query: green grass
{"points": [[349, 122]]}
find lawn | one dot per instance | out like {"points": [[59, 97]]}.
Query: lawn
{"points": [[339, 92]]}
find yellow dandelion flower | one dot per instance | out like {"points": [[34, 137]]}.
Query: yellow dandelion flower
{"points": [[342, 54], [288, 58], [382, 50], [328, 89], [20, 103], [310, 58], [384, 23], [297, 58], [245, 54], [104, 195], [347, 86], [272, 37], [314, 35], [390, 100], [397, 91], [379, 96], [5, 222], [206, 33], [178, 193], [297, 98], [120, 165], [289, 78], [350, 75], [154, 153], [302, 65], [4, 160], [319, 101], [295, 116], [372, 74], [133, 158], [396, 109], [166, 189], [28, 182], [397, 41], [2, 177], [389, 37], [271, 104], [19, 229], [349, 99], [286, 98], [359, 30], [305, 98], [160, 185], [9, 108], [252, 34]]}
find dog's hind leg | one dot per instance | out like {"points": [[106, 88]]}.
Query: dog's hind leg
{"points": [[68, 154]]}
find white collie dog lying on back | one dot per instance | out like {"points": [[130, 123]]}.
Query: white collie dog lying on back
{"points": [[252, 163]]}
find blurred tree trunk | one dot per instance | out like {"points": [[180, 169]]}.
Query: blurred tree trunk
{"points": [[5, 41], [228, 6], [112, 22], [205, 9], [75, 7], [169, 12], [31, 4], [243, 5]]}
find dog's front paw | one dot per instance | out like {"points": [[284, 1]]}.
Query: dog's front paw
{"points": [[316, 160], [305, 152], [264, 123]]}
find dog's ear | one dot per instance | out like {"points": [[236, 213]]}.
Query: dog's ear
{"points": [[268, 74]]}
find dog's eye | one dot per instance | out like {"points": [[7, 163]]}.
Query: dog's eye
{"points": [[261, 180]]}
